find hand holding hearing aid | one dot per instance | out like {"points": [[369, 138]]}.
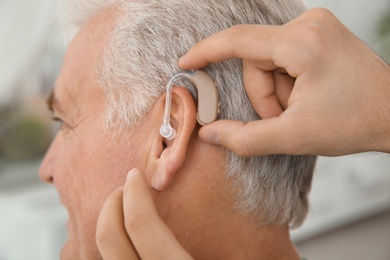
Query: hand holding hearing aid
{"points": [[128, 219], [317, 87]]}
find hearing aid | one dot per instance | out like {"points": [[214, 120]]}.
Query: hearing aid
{"points": [[208, 104]]}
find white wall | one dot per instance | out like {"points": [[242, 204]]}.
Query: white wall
{"points": [[28, 48], [360, 16]]}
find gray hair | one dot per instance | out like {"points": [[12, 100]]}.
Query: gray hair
{"points": [[141, 56]]}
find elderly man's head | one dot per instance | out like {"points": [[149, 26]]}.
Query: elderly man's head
{"points": [[110, 97]]}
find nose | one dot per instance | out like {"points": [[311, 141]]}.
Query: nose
{"points": [[46, 170]]}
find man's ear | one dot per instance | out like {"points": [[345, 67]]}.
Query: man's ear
{"points": [[167, 156]]}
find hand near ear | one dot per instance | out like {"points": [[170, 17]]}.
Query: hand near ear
{"points": [[129, 226], [318, 88]]}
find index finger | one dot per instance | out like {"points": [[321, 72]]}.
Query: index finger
{"points": [[111, 237], [149, 234], [254, 42]]}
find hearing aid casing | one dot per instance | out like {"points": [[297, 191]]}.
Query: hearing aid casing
{"points": [[208, 105]]}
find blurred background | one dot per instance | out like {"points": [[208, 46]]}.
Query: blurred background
{"points": [[350, 200]]}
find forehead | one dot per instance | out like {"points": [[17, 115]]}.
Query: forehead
{"points": [[76, 83]]}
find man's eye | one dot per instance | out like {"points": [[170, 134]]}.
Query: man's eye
{"points": [[62, 124], [59, 120]]}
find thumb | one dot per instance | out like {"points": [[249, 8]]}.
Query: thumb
{"points": [[256, 138]]}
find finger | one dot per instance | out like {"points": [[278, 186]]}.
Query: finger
{"points": [[260, 88], [149, 234], [256, 42], [111, 236], [256, 138], [284, 84]]}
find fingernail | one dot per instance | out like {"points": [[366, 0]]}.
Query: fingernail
{"points": [[211, 137], [183, 58], [131, 173]]}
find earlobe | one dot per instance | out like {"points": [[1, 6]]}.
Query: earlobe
{"points": [[171, 154]]}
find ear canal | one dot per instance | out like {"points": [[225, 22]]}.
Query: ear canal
{"points": [[168, 132]]}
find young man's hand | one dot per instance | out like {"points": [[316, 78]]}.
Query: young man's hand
{"points": [[319, 89], [129, 226]]}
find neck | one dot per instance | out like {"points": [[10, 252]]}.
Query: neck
{"points": [[212, 228], [233, 235], [267, 242], [199, 208]]}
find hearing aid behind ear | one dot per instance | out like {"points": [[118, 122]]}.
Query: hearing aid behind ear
{"points": [[208, 105]]}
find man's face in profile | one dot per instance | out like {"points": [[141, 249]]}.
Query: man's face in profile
{"points": [[84, 162], [87, 162]]}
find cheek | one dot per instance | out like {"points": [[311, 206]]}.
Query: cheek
{"points": [[90, 170], [84, 179], [88, 177]]}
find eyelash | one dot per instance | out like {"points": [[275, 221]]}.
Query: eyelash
{"points": [[61, 122], [63, 125], [57, 119]]}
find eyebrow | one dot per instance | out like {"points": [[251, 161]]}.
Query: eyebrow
{"points": [[52, 102]]}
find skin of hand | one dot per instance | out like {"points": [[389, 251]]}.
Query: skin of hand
{"points": [[129, 227], [318, 88]]}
